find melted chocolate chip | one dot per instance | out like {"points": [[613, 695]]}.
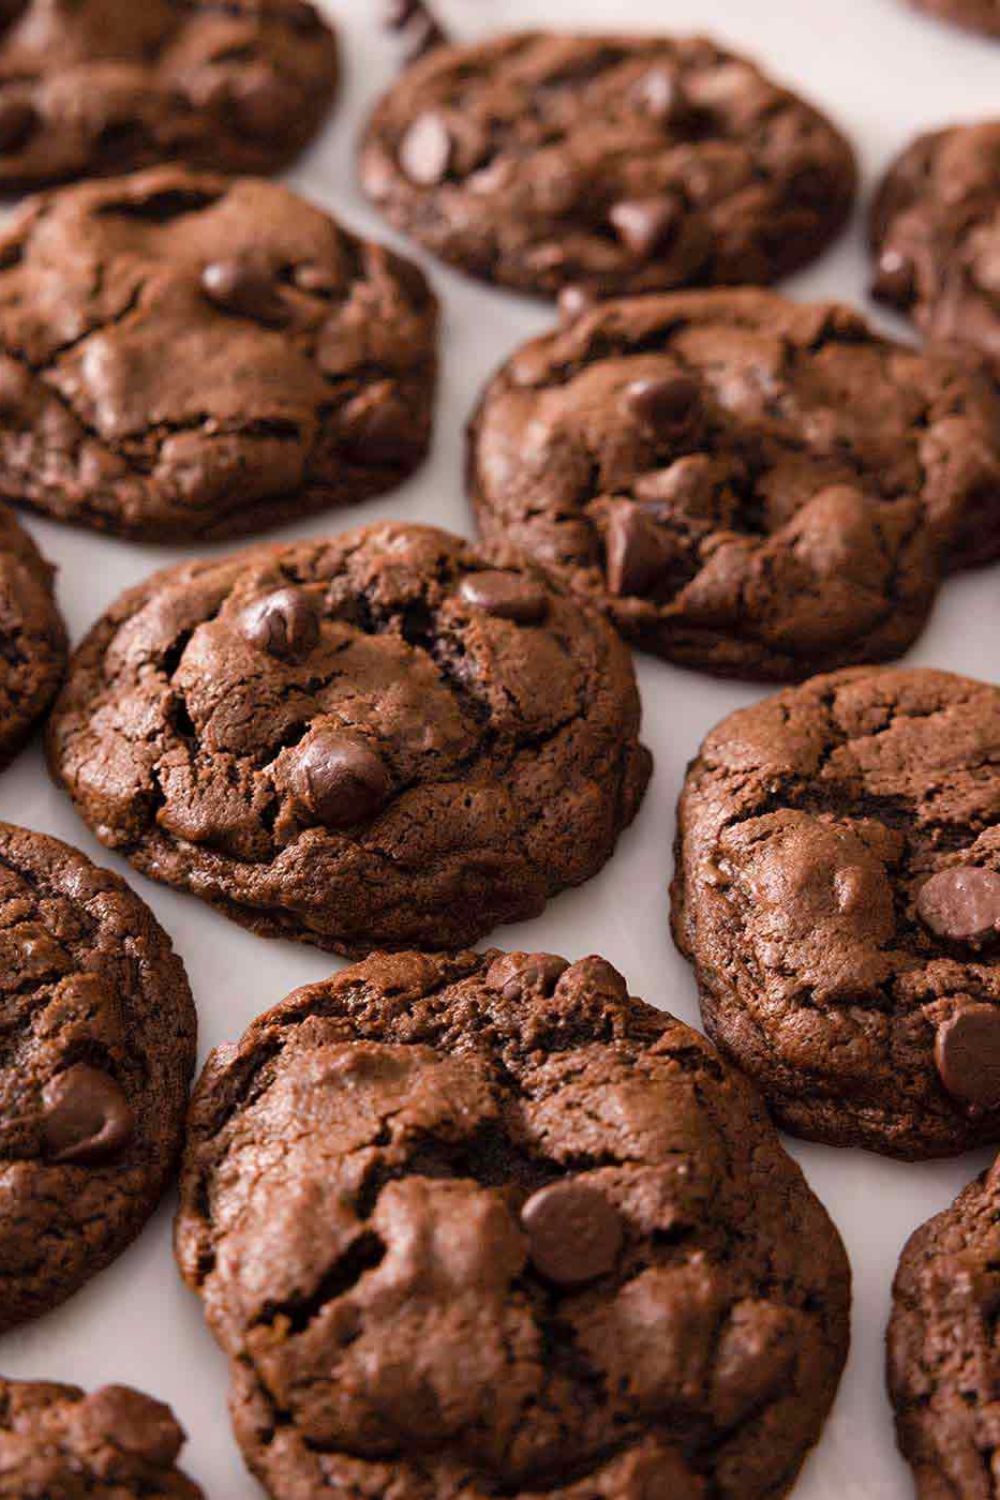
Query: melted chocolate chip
{"points": [[637, 553], [574, 1232], [516, 975], [967, 1054], [645, 225], [86, 1118], [894, 279], [246, 289], [340, 779], [961, 904], [506, 595], [425, 150], [284, 624], [666, 405]]}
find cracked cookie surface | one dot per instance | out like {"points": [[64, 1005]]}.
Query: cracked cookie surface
{"points": [[383, 739], [485, 1226], [977, 15], [621, 163], [838, 892], [32, 636], [942, 1355], [742, 483], [184, 356], [98, 87], [59, 1443], [99, 1036], [936, 235]]}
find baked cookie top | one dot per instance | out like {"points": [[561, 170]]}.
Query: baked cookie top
{"points": [[114, 1444], [32, 636], [486, 1226], [99, 1036], [936, 235], [742, 483], [838, 891], [97, 87], [184, 355], [385, 738], [623, 163]]}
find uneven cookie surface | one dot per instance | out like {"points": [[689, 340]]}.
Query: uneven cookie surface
{"points": [[183, 355], [383, 739], [485, 1226], [96, 87], [838, 891], [936, 236], [621, 163], [113, 1444], [99, 1030], [743, 483], [943, 1365], [978, 15], [32, 636]]}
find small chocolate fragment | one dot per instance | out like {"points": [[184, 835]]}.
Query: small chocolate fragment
{"points": [[516, 975], [425, 150], [962, 904], [637, 552], [340, 779], [967, 1054], [506, 595], [669, 404], [86, 1118], [284, 624], [574, 1232], [645, 225], [247, 289], [894, 279]]}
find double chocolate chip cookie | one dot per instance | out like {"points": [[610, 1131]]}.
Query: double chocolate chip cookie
{"points": [[99, 1031], [32, 636], [486, 1226], [56, 1443], [838, 891], [977, 15], [936, 235], [742, 483], [943, 1363], [385, 739], [184, 355], [619, 163], [95, 87]]}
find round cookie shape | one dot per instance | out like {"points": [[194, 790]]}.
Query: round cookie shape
{"points": [[619, 163], [99, 1051], [838, 864], [32, 636], [743, 484], [113, 1444], [426, 758], [97, 87], [184, 355], [527, 1235], [976, 15], [935, 230], [942, 1358]]}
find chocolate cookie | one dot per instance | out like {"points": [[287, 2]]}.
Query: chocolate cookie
{"points": [[742, 483], [382, 739], [99, 1032], [95, 87], [977, 15], [943, 1365], [32, 636], [187, 356], [486, 1226], [936, 234], [620, 163], [838, 892], [56, 1443]]}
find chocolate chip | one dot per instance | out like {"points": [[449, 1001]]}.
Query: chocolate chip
{"points": [[247, 289], [645, 225], [967, 1054], [637, 553], [894, 279], [962, 904], [340, 779], [506, 595], [284, 624], [18, 119], [667, 405], [574, 1232], [425, 150], [85, 1117], [516, 975], [687, 488]]}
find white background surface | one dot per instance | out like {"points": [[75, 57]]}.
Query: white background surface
{"points": [[884, 72]]}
